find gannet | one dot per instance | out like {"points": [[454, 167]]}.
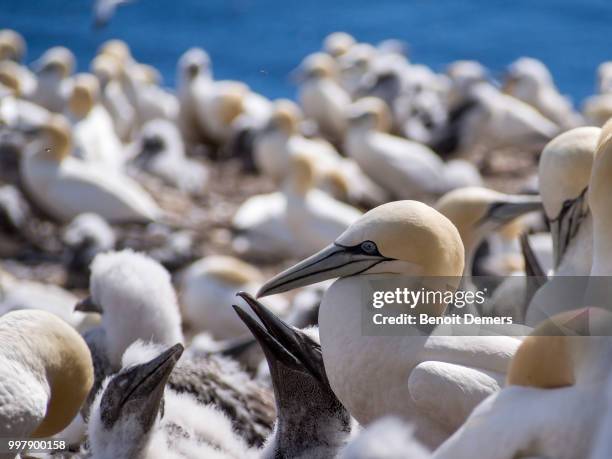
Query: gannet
{"points": [[104, 10], [280, 140], [112, 96], [338, 43], [93, 130], [162, 153], [354, 65], [13, 48], [311, 421], [402, 167], [16, 111], [46, 373], [529, 80], [432, 381], [208, 288], [321, 96], [488, 118], [86, 236], [53, 81], [65, 186], [564, 175], [477, 212], [552, 405]]}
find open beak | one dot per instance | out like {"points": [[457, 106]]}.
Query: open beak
{"points": [[503, 212], [566, 225], [142, 385], [333, 261], [282, 342], [88, 305]]}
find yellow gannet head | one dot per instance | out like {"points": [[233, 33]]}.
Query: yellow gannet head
{"points": [[338, 43], [57, 60], [301, 173], [9, 76], [230, 270], [401, 237], [231, 105], [286, 116], [58, 354], [54, 137], [194, 62], [85, 94], [12, 45], [527, 74], [371, 113], [555, 352], [318, 65], [105, 68], [117, 49], [477, 211], [564, 173], [336, 184]]}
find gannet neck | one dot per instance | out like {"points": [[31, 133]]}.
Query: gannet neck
{"points": [[302, 174], [600, 189], [9, 76], [56, 354]]}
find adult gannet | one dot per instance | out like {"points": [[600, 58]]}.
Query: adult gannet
{"points": [[529, 80], [53, 82], [65, 186], [564, 174], [15, 110], [46, 373], [13, 48], [552, 405], [321, 96], [208, 289], [478, 212], [490, 119], [433, 381], [281, 139], [402, 167], [354, 65], [93, 130], [112, 96], [338, 43], [162, 153]]}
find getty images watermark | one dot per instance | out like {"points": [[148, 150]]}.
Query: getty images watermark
{"points": [[492, 306]]}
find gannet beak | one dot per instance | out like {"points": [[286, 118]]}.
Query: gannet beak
{"points": [[502, 212], [295, 342], [141, 386], [88, 305], [564, 227], [333, 261]]}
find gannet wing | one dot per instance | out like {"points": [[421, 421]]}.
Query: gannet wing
{"points": [[448, 393]]}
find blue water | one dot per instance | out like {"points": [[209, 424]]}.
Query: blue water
{"points": [[261, 41]]}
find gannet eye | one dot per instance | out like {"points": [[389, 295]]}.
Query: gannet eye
{"points": [[369, 247]]}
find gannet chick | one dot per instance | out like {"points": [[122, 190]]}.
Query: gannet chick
{"points": [[65, 186], [321, 97], [555, 389], [387, 438], [338, 43], [93, 130], [564, 174], [402, 167], [432, 381], [137, 301], [162, 153], [86, 236], [478, 212], [53, 70], [208, 289], [311, 421], [46, 374], [529, 80], [137, 415], [112, 96]]}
